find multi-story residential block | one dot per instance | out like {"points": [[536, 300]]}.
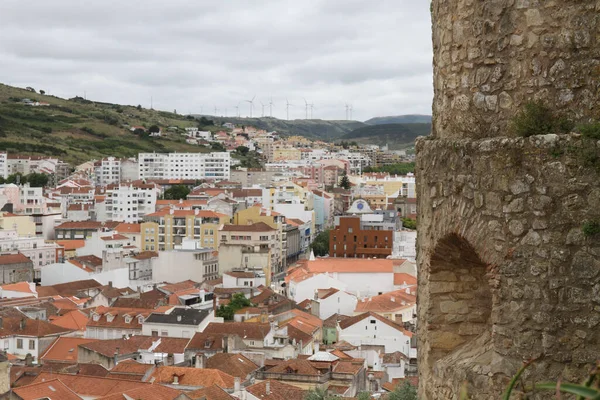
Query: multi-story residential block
{"points": [[35, 248], [186, 261], [254, 247], [149, 236], [249, 177], [175, 225], [3, 165], [214, 165], [114, 170], [349, 239], [15, 268], [130, 202]]}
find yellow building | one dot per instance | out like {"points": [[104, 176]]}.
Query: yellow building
{"points": [[149, 233], [174, 225], [23, 224]]}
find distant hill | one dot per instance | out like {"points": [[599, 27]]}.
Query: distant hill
{"points": [[79, 130], [310, 128], [400, 119], [397, 136]]}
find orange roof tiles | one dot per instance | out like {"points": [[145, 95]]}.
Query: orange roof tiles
{"points": [[29, 327], [70, 245], [75, 320], [307, 269], [387, 302], [357, 318], [193, 376], [22, 287], [114, 236], [52, 389], [213, 392], [402, 278], [151, 392], [128, 228], [91, 386], [233, 364], [19, 258], [277, 391], [257, 227], [64, 349]]}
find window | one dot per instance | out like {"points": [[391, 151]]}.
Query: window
{"points": [[19, 343], [164, 333], [31, 344], [373, 321]]}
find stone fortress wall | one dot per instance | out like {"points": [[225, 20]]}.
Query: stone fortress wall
{"points": [[505, 271]]}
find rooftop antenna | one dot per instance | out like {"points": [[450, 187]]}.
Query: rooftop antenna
{"points": [[287, 108], [271, 107], [251, 104]]}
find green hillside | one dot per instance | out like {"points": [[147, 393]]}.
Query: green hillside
{"points": [[79, 130], [400, 119], [310, 128], [397, 136]]}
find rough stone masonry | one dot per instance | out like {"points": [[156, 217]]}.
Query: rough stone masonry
{"points": [[505, 271]]}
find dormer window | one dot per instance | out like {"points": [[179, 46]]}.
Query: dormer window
{"points": [[128, 319], [96, 317], [109, 317], [140, 319]]}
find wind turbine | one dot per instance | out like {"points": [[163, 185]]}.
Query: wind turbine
{"points": [[305, 109], [215, 110], [351, 108], [263, 109], [251, 104], [271, 108], [287, 108], [311, 105], [237, 110], [347, 109]]}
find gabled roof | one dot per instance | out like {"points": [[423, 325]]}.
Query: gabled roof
{"points": [[68, 289], [276, 391], [358, 318], [119, 316], [257, 227], [205, 341], [64, 349], [129, 345], [148, 392], [128, 228], [233, 364], [387, 302], [70, 245], [402, 278], [201, 377], [213, 392], [91, 386], [30, 327], [52, 389], [74, 320], [170, 288], [21, 287], [245, 330], [179, 316], [295, 366], [18, 258]]}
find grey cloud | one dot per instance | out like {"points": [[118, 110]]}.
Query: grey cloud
{"points": [[190, 55]]}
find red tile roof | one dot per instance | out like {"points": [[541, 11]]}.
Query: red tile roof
{"points": [[22, 287], [74, 320], [52, 389], [257, 227], [213, 392], [387, 302], [233, 364], [18, 258], [357, 318], [128, 228], [70, 245], [401, 278], [91, 386], [276, 391], [30, 327], [151, 392], [201, 377], [64, 349], [245, 330]]}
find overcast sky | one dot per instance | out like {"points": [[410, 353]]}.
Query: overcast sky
{"points": [[195, 55]]}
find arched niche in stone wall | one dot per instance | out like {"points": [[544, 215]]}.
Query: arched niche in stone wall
{"points": [[460, 304]]}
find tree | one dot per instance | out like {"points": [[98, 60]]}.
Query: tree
{"points": [[16, 178], [139, 107], [242, 150], [42, 92], [216, 146], [409, 223], [139, 131], [37, 180], [176, 192], [320, 246], [404, 392], [317, 394], [154, 129], [238, 301], [364, 396], [345, 182]]}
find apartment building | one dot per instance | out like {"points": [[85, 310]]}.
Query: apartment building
{"points": [[34, 248], [4, 164], [130, 202], [114, 170], [214, 165], [253, 247], [175, 225]]}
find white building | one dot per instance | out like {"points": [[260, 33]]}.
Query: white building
{"points": [[3, 165], [332, 301], [405, 245], [22, 336], [186, 261], [34, 248], [130, 202], [240, 279], [214, 165], [373, 329], [178, 322]]}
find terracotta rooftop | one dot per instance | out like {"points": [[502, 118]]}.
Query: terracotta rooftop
{"points": [[91, 386], [170, 288], [245, 330], [241, 274], [213, 392], [307, 269], [357, 318], [233, 364], [401, 278], [74, 320], [64, 349], [387, 302], [114, 317], [130, 370], [52, 389], [201, 377], [276, 391], [295, 366], [114, 236], [68, 289], [21, 287], [257, 227], [151, 392], [332, 321], [18, 258], [70, 245], [30, 327]]}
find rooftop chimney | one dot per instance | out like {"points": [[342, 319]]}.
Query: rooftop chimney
{"points": [[268, 388], [22, 324], [236, 385]]}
